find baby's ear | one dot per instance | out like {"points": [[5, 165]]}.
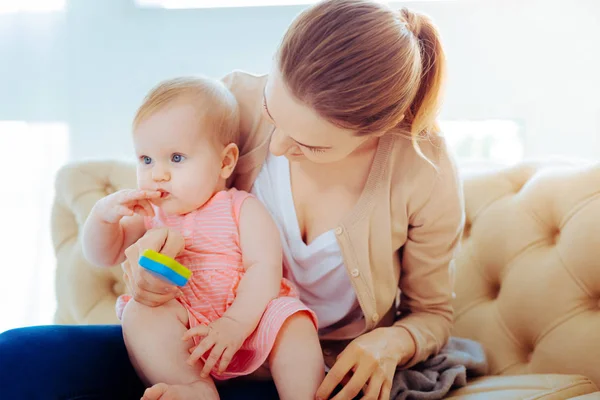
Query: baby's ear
{"points": [[229, 159]]}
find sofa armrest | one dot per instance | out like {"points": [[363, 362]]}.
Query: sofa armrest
{"points": [[527, 387], [85, 294]]}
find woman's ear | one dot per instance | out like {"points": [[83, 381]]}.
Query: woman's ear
{"points": [[229, 159]]}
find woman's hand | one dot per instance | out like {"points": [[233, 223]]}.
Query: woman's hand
{"points": [[146, 288], [371, 359]]}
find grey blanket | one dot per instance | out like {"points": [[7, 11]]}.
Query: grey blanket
{"points": [[434, 378]]}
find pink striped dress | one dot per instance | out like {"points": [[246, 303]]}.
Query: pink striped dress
{"points": [[213, 254]]}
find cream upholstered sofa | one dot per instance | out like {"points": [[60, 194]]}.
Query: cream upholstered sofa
{"points": [[527, 274]]}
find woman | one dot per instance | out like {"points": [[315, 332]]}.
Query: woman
{"points": [[341, 144]]}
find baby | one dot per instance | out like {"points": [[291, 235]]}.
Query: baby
{"points": [[236, 313]]}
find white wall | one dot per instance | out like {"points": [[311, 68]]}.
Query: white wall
{"points": [[531, 60]]}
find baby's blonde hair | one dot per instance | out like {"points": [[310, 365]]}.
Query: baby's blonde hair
{"points": [[216, 106]]}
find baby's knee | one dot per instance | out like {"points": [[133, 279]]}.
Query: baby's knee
{"points": [[300, 322], [136, 314], [298, 327]]}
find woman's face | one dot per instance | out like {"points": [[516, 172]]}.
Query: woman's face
{"points": [[300, 133]]}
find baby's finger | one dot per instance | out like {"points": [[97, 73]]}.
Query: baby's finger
{"points": [[200, 330], [139, 210], [226, 359], [212, 359], [151, 194], [206, 344], [124, 211], [147, 207], [136, 194]]}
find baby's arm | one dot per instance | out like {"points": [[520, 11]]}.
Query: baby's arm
{"points": [[115, 223], [262, 255], [261, 283]]}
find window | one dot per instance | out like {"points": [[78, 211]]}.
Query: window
{"points": [[485, 141], [31, 153], [227, 3], [14, 6]]}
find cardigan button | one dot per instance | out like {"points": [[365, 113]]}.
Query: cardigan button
{"points": [[355, 273], [375, 317], [339, 230]]}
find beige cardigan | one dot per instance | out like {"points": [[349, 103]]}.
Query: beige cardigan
{"points": [[401, 234]]}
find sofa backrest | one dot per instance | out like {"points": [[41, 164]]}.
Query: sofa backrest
{"points": [[85, 294], [528, 271]]}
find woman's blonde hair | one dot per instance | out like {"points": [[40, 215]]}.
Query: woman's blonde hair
{"points": [[366, 67], [215, 105]]}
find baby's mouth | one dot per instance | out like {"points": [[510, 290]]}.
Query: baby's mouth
{"points": [[163, 193]]}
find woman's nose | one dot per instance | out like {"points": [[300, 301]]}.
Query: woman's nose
{"points": [[280, 143]]}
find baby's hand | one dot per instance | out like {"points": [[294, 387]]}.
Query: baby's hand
{"points": [[126, 202], [224, 336]]}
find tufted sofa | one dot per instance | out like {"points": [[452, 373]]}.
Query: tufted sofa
{"points": [[527, 274]]}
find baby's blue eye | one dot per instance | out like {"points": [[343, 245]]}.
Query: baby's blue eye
{"points": [[177, 158], [147, 160]]}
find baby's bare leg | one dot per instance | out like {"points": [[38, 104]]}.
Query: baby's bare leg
{"points": [[296, 361], [153, 339]]}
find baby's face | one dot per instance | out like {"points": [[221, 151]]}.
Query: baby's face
{"points": [[176, 157]]}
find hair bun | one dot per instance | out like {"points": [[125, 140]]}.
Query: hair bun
{"points": [[412, 20]]}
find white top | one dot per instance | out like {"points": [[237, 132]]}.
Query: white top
{"points": [[317, 270]]}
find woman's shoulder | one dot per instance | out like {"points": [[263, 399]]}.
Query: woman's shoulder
{"points": [[430, 158], [255, 129], [248, 90], [417, 177], [239, 81]]}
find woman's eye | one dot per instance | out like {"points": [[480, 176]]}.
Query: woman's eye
{"points": [[177, 158], [146, 160]]}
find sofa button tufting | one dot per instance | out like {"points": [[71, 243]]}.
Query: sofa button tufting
{"points": [[555, 236], [495, 290]]}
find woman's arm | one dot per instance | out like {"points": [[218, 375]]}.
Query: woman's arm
{"points": [[426, 285], [426, 295], [262, 256]]}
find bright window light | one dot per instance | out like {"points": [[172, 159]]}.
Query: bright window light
{"points": [[485, 141], [16, 6], [179, 4], [31, 154]]}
